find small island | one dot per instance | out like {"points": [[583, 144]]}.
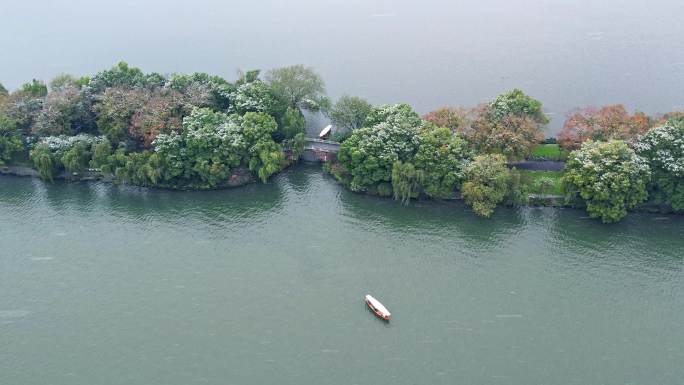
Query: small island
{"points": [[200, 131]]}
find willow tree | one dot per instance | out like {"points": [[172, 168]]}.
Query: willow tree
{"points": [[76, 158], [406, 181], [44, 162]]}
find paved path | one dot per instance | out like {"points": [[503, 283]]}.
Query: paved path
{"points": [[538, 165]]}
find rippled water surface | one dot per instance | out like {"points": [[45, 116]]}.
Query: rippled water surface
{"points": [[264, 284]]}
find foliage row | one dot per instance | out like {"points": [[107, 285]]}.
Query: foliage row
{"points": [[175, 131], [199, 131]]}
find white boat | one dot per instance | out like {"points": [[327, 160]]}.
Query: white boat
{"points": [[325, 131], [378, 308]]}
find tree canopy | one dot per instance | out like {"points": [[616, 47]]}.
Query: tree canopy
{"points": [[350, 113], [369, 153], [609, 177], [510, 125], [442, 157], [486, 183], [601, 124], [298, 86], [455, 119], [663, 149], [211, 144]]}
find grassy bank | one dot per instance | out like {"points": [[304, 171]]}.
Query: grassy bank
{"points": [[548, 152], [542, 182]]}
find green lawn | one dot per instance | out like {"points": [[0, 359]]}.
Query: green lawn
{"points": [[548, 151], [530, 178]]}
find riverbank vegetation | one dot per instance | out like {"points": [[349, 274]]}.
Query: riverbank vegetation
{"points": [[177, 131], [616, 161], [200, 131]]}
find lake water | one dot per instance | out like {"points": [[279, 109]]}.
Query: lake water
{"points": [[264, 284], [430, 53]]}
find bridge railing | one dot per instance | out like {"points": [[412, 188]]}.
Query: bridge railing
{"points": [[316, 140]]}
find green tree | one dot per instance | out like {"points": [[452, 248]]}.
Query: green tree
{"points": [[510, 125], [120, 75], [486, 185], [101, 153], [35, 88], [517, 103], [366, 158], [298, 86], [3, 90], [663, 149], [115, 107], [390, 113], [406, 181], [44, 162], [350, 113], [295, 145], [202, 90], [76, 158], [255, 96], [141, 168], [22, 109], [211, 144], [266, 159], [608, 176], [65, 111], [265, 156], [61, 81], [10, 140], [247, 77], [442, 158], [293, 123]]}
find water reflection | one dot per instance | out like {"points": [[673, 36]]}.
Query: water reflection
{"points": [[130, 203], [642, 244], [439, 219], [299, 176]]}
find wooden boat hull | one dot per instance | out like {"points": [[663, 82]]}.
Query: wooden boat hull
{"points": [[383, 315]]}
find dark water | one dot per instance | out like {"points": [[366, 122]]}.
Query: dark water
{"points": [[264, 285], [567, 53]]}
